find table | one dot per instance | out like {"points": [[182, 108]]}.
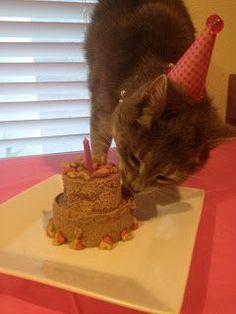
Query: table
{"points": [[211, 286]]}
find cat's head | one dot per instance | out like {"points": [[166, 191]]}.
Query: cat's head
{"points": [[162, 139]]}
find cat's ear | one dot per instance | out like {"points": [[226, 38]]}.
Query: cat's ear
{"points": [[154, 98]]}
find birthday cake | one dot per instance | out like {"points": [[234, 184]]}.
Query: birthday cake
{"points": [[91, 210]]}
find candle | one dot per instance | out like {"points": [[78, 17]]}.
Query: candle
{"points": [[87, 155]]}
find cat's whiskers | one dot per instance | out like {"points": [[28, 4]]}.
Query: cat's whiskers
{"points": [[202, 174], [217, 190], [201, 177], [157, 189], [167, 192]]}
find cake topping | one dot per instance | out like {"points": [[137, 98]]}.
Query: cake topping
{"points": [[66, 165], [106, 243], [78, 169], [50, 229], [132, 203], [135, 224], [59, 239], [126, 235], [73, 165], [105, 170], [72, 174], [101, 172], [82, 174], [67, 169], [78, 244]]}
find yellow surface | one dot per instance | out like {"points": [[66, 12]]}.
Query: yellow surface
{"points": [[224, 56]]}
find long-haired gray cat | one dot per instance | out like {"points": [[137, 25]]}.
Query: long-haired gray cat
{"points": [[160, 137]]}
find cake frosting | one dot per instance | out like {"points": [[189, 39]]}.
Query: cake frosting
{"points": [[91, 210]]}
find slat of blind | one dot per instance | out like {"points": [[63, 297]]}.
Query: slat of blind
{"points": [[41, 53], [17, 73], [37, 146], [14, 11], [44, 99], [42, 33], [44, 110], [43, 128], [66, 1], [43, 91]]}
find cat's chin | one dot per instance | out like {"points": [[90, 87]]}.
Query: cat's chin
{"points": [[136, 189], [149, 189], [157, 188]]}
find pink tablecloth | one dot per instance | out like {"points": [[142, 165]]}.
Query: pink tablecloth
{"points": [[211, 287]]}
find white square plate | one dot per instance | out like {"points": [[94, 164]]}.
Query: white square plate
{"points": [[148, 273]]}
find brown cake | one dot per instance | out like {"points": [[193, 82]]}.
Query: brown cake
{"points": [[91, 210]]}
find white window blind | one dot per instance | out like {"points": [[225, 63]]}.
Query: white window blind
{"points": [[44, 100]]}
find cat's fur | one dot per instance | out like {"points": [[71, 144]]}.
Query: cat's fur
{"points": [[160, 137]]}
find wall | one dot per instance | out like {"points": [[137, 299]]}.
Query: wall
{"points": [[224, 55]]}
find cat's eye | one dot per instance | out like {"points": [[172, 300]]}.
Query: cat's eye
{"points": [[134, 160], [164, 179]]}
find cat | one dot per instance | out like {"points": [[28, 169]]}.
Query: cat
{"points": [[160, 138]]}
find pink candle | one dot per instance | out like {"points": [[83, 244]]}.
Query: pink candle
{"points": [[87, 155]]}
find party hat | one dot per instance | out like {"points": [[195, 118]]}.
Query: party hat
{"points": [[191, 70]]}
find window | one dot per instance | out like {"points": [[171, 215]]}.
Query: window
{"points": [[44, 100]]}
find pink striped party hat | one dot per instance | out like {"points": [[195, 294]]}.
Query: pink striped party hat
{"points": [[191, 70]]}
